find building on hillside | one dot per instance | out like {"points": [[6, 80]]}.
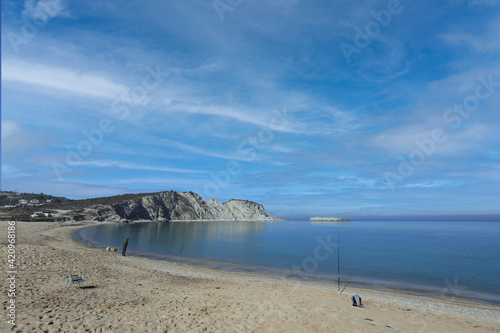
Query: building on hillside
{"points": [[41, 214]]}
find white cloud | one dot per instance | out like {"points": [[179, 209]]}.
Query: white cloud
{"points": [[16, 139], [221, 111], [403, 140], [43, 10], [399, 140], [430, 184], [489, 41], [491, 172], [200, 151], [133, 166], [242, 114], [9, 129], [282, 149], [393, 63], [484, 3], [162, 181], [12, 171], [61, 78]]}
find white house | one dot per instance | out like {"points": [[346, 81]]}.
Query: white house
{"points": [[41, 214], [23, 202]]}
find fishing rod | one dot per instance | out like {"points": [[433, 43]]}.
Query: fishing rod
{"points": [[338, 258], [338, 262], [183, 246], [346, 285]]}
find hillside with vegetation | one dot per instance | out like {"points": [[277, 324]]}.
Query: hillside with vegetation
{"points": [[160, 206]]}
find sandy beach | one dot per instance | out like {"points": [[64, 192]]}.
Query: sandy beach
{"points": [[133, 294]]}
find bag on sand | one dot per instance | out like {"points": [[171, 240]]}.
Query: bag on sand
{"points": [[356, 301]]}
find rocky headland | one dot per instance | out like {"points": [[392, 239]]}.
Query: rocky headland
{"points": [[178, 206], [161, 206]]}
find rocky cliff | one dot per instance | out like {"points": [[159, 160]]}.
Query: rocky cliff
{"points": [[176, 206]]}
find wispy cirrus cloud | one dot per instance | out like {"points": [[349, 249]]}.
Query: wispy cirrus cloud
{"points": [[204, 152], [64, 79], [253, 117], [135, 166], [162, 181], [487, 41]]}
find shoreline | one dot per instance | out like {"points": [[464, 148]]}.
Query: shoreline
{"points": [[140, 294], [372, 290], [224, 268], [367, 288], [355, 282]]}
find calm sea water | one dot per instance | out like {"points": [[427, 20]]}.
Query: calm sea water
{"points": [[449, 258]]}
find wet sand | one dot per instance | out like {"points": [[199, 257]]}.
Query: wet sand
{"points": [[133, 294]]}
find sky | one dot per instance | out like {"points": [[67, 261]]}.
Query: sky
{"points": [[311, 108]]}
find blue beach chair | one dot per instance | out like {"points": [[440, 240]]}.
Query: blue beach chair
{"points": [[73, 278]]}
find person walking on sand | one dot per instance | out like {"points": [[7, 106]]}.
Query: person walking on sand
{"points": [[125, 244]]}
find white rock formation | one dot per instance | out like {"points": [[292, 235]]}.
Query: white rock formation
{"points": [[177, 206]]}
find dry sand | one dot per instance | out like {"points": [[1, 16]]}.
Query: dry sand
{"points": [[131, 294]]}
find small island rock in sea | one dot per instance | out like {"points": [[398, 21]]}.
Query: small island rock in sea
{"points": [[327, 219]]}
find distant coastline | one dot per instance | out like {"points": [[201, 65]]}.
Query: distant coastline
{"points": [[328, 219]]}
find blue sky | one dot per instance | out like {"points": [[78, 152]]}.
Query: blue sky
{"points": [[309, 107]]}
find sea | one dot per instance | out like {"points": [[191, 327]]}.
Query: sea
{"points": [[447, 259]]}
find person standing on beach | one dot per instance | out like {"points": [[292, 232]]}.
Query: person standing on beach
{"points": [[125, 244]]}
